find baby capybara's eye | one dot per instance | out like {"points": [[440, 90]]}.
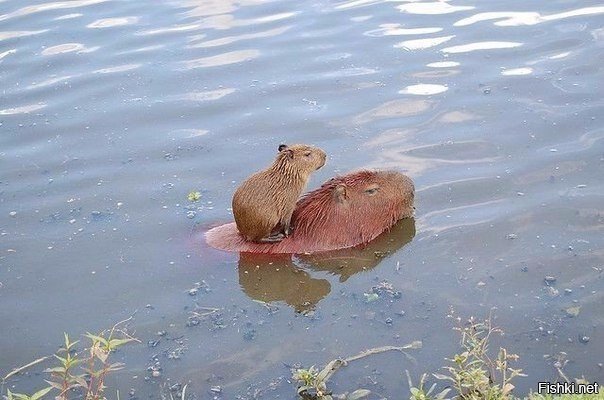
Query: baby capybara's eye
{"points": [[307, 154]]}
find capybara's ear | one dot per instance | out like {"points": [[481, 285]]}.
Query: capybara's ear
{"points": [[282, 147], [339, 193]]}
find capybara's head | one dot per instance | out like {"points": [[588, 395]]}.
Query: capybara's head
{"points": [[300, 157], [355, 208]]}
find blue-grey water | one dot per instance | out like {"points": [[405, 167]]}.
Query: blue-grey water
{"points": [[112, 111]]}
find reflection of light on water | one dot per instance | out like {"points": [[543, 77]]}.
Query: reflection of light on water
{"points": [[419, 44], [110, 22], [188, 133], [512, 18], [272, 18], [7, 52], [18, 34], [356, 3], [394, 109], [560, 55], [178, 28], [119, 68], [204, 96], [68, 48], [353, 71], [50, 81], [517, 71], [247, 36], [22, 109], [554, 57], [466, 48], [396, 30], [231, 57], [424, 89], [432, 8], [49, 6], [68, 16], [361, 18], [443, 64]]}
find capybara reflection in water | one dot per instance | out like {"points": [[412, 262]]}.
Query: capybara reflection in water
{"points": [[345, 211], [264, 203]]}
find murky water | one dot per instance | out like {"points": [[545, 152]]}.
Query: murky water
{"points": [[113, 111]]}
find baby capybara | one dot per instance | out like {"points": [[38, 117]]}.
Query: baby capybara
{"points": [[344, 212], [264, 203]]}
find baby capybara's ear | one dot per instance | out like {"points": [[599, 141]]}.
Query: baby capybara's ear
{"points": [[282, 147], [339, 193]]}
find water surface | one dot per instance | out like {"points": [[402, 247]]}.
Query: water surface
{"points": [[111, 112]]}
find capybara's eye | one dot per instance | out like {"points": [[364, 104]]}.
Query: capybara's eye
{"points": [[371, 191], [307, 154]]}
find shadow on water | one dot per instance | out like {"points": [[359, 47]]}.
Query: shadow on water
{"points": [[289, 278]]}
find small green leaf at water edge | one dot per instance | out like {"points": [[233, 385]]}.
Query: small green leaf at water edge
{"points": [[369, 297], [194, 196], [573, 311]]}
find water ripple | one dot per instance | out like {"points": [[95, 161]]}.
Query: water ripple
{"points": [[111, 22], [466, 48], [68, 48], [517, 71], [432, 8], [18, 34], [421, 44], [396, 30], [231, 57], [208, 95], [511, 18], [424, 89], [49, 6], [22, 109], [443, 64]]}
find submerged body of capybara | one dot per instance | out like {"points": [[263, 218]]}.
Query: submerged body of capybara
{"points": [[345, 211], [264, 203]]}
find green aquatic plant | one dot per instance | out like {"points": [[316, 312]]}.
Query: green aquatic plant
{"points": [[312, 383], [194, 196], [79, 373], [472, 374]]}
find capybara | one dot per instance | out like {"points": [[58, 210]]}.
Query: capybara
{"points": [[264, 203], [345, 211]]}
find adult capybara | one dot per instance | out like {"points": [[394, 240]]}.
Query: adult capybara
{"points": [[344, 212], [264, 203]]}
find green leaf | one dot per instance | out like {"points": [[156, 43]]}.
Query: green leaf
{"points": [[573, 311], [370, 297], [442, 377], [442, 395], [40, 393], [100, 354], [329, 369], [96, 339], [115, 343], [63, 360], [194, 196]]}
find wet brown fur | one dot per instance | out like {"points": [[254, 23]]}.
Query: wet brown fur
{"points": [[264, 203], [345, 211]]}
